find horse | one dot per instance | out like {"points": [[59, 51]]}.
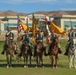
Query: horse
{"points": [[9, 49], [39, 51], [53, 52], [26, 51], [72, 53]]}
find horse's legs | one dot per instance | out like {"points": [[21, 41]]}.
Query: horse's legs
{"points": [[36, 61], [25, 62], [74, 59], [10, 61], [70, 61], [7, 62], [74, 64], [52, 58], [30, 59], [41, 59], [56, 58], [69, 57]]}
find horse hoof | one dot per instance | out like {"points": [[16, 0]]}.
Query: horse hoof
{"points": [[7, 66], [42, 66], [53, 67], [69, 67], [10, 66], [36, 67], [25, 66], [56, 67], [74, 66]]}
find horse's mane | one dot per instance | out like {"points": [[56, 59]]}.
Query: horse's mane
{"points": [[53, 43], [71, 44]]}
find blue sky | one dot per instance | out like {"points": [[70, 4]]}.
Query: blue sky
{"points": [[29, 6]]}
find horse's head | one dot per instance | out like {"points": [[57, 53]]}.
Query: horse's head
{"points": [[53, 48], [40, 47], [14, 46], [72, 46], [9, 47], [7, 41], [55, 40], [26, 48]]}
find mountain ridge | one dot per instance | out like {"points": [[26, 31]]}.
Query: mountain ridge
{"points": [[48, 13]]}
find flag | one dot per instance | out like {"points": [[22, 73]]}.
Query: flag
{"points": [[33, 25], [26, 20], [19, 26], [24, 27], [47, 30], [57, 29], [36, 28], [33, 39]]}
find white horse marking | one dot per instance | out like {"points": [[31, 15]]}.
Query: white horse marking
{"points": [[72, 54]]}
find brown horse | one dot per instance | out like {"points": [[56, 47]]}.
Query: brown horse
{"points": [[26, 51], [39, 50], [53, 51], [9, 49]]}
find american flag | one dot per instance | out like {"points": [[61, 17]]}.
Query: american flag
{"points": [[19, 26]]}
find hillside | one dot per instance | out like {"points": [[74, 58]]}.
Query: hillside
{"points": [[48, 13]]}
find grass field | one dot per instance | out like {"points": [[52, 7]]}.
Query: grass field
{"points": [[31, 70]]}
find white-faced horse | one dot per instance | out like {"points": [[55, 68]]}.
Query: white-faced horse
{"points": [[72, 53]]}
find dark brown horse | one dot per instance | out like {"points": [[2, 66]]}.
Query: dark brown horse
{"points": [[53, 51], [26, 51], [9, 49], [39, 51]]}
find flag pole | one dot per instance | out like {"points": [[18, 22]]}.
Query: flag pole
{"points": [[33, 25], [46, 24], [71, 23], [33, 28], [17, 29], [18, 38], [26, 19]]}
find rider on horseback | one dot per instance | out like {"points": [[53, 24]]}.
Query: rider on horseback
{"points": [[39, 39], [8, 35], [71, 36], [25, 40], [53, 35]]}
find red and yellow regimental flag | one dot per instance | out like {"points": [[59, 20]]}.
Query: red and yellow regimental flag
{"points": [[57, 29], [33, 25], [47, 36]]}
